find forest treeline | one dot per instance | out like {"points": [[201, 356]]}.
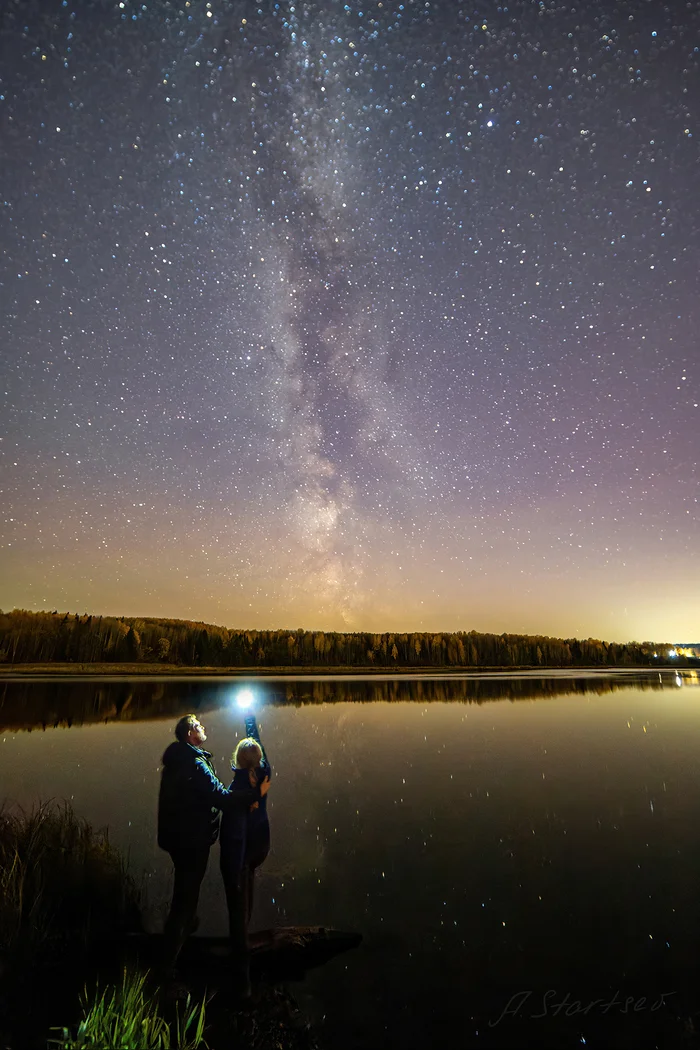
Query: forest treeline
{"points": [[53, 637]]}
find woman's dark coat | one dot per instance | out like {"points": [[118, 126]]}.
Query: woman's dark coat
{"points": [[245, 832]]}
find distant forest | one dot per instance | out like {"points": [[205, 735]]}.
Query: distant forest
{"points": [[53, 637]]}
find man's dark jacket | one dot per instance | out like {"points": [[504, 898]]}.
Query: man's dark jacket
{"points": [[191, 798]]}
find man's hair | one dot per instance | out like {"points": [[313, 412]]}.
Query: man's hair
{"points": [[248, 754], [183, 727]]}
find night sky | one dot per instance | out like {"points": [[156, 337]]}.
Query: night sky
{"points": [[375, 316]]}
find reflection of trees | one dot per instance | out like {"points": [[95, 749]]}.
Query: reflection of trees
{"points": [[467, 691], [41, 705], [26, 704]]}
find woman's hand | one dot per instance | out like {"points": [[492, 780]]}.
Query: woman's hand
{"points": [[264, 787]]}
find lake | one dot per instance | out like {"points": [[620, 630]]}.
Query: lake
{"points": [[504, 843]]}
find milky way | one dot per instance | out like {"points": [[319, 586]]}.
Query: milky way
{"points": [[344, 316]]}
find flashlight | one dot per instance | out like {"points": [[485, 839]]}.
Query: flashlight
{"points": [[245, 699]]}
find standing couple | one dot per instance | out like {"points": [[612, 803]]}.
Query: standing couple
{"points": [[192, 804]]}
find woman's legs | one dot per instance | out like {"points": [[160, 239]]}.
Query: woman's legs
{"points": [[235, 883], [249, 882], [257, 849]]}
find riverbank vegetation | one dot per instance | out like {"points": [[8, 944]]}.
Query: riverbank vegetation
{"points": [[62, 887], [67, 976], [63, 638], [63, 890]]}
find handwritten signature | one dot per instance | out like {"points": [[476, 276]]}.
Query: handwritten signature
{"points": [[552, 1005]]}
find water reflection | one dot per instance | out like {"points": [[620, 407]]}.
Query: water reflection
{"points": [[481, 848], [27, 704]]}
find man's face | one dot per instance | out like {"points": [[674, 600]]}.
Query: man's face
{"points": [[196, 735]]}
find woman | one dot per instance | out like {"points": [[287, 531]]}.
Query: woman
{"points": [[245, 843]]}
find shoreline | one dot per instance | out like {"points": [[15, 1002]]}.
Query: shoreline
{"points": [[100, 670]]}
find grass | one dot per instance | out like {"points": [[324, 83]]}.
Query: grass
{"points": [[125, 1017], [62, 885]]}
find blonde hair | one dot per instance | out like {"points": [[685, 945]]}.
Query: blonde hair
{"points": [[248, 754]]}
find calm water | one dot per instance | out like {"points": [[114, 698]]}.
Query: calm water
{"points": [[488, 837]]}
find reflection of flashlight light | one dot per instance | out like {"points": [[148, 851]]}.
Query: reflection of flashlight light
{"points": [[245, 699]]}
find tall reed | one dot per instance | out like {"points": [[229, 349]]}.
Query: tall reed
{"points": [[61, 884]]}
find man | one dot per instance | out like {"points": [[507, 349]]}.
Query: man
{"points": [[189, 806]]}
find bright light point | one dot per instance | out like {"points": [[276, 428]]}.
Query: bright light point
{"points": [[245, 699], [489, 123], [672, 653]]}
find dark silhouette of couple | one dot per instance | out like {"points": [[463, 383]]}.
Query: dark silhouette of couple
{"points": [[194, 809]]}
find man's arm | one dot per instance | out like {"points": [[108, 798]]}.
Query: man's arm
{"points": [[207, 784]]}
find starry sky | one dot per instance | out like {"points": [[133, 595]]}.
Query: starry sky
{"points": [[352, 316]]}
